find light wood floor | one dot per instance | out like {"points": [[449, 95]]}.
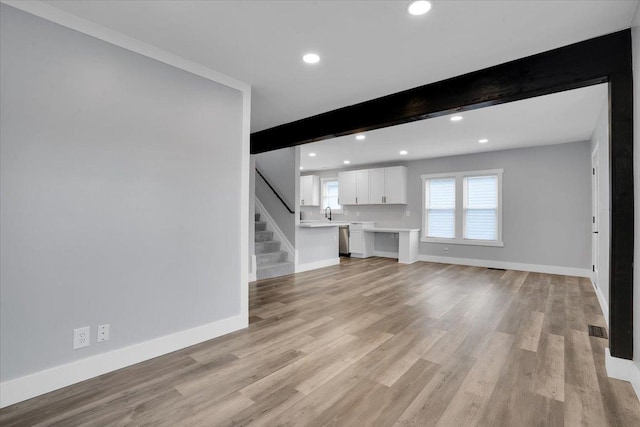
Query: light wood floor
{"points": [[373, 342]]}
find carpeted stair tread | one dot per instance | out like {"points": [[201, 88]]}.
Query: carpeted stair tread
{"points": [[270, 260]]}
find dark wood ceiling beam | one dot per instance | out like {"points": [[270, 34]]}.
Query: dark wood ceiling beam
{"points": [[569, 67]]}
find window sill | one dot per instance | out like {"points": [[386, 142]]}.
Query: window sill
{"points": [[463, 242]]}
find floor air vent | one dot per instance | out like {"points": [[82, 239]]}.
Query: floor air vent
{"points": [[597, 331], [498, 269]]}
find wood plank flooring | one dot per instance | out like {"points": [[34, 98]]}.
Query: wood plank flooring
{"points": [[374, 343]]}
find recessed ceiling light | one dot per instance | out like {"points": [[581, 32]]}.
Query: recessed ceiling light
{"points": [[301, 168], [312, 154], [311, 58], [419, 7], [403, 152], [456, 118], [346, 162], [483, 141], [360, 137]]}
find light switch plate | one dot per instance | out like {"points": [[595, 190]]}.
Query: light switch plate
{"points": [[103, 333]]}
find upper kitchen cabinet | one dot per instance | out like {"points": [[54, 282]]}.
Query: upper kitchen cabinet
{"points": [[388, 185], [377, 190], [354, 187], [395, 185], [347, 188], [363, 187], [310, 190]]}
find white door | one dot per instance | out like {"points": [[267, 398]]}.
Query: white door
{"points": [[595, 206], [376, 186], [362, 191]]}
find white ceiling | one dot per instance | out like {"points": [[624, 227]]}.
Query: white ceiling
{"points": [[368, 48], [552, 119]]}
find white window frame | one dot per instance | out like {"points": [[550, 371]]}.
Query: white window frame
{"points": [[425, 211], [460, 209], [322, 190]]}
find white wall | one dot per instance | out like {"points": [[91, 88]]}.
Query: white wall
{"points": [[600, 138], [546, 211], [121, 183]]}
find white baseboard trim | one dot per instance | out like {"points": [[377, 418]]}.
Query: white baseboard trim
{"points": [[623, 369], [38, 383], [317, 264], [384, 254], [603, 303], [534, 268]]}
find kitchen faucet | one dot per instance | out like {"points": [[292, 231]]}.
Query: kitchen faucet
{"points": [[325, 213]]}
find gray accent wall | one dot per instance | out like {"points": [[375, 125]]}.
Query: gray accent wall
{"points": [[120, 191], [279, 168], [546, 208]]}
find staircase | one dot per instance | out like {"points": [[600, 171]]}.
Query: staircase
{"points": [[270, 260]]}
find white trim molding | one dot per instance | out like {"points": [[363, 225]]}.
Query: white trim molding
{"points": [[300, 268], [32, 385], [603, 303], [533, 268], [623, 369], [254, 269]]}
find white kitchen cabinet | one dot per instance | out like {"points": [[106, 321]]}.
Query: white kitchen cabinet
{"points": [[359, 241], [310, 190], [354, 187], [347, 187], [395, 185], [355, 241], [362, 181], [376, 186], [388, 185]]}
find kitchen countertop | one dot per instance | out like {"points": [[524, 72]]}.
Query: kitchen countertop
{"points": [[317, 224]]}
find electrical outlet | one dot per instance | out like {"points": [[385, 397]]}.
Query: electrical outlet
{"points": [[408, 213], [81, 337], [357, 213], [446, 250], [103, 333]]}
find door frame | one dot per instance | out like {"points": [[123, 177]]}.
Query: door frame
{"points": [[595, 214], [605, 59]]}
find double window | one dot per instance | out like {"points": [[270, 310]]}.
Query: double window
{"points": [[463, 208]]}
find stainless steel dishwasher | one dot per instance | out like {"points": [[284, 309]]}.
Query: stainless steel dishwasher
{"points": [[343, 240]]}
